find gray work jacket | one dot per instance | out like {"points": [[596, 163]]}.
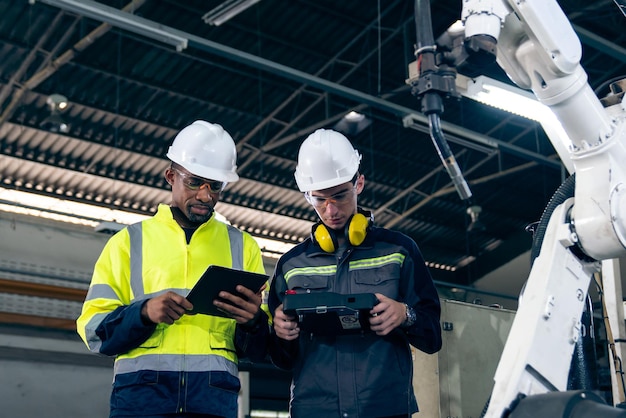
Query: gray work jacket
{"points": [[358, 375]]}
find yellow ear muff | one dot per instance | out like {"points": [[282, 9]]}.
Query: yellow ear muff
{"points": [[357, 229], [324, 238]]}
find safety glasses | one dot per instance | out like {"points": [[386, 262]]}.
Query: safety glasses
{"points": [[336, 199], [196, 183]]}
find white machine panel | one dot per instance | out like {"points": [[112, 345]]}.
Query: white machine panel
{"points": [[457, 381]]}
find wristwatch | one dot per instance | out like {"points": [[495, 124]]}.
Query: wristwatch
{"points": [[411, 317]]}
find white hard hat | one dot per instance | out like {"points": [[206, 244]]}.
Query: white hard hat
{"points": [[206, 150], [326, 159]]}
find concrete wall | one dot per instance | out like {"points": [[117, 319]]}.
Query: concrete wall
{"points": [[51, 374], [47, 249]]}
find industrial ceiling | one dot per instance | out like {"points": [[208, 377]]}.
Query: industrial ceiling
{"points": [[271, 75]]}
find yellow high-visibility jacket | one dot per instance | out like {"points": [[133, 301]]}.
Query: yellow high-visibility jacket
{"points": [[191, 365]]}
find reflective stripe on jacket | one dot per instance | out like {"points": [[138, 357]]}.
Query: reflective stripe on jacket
{"points": [[145, 260]]}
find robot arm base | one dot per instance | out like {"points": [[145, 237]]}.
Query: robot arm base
{"points": [[570, 404]]}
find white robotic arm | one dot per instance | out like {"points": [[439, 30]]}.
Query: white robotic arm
{"points": [[539, 50]]}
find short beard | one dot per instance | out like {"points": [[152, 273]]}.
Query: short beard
{"points": [[198, 219]]}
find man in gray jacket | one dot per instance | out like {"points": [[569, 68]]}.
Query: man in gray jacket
{"points": [[361, 368]]}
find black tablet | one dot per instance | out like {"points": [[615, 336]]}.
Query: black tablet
{"points": [[216, 279], [328, 313]]}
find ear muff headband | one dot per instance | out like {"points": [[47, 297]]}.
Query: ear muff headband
{"points": [[356, 231]]}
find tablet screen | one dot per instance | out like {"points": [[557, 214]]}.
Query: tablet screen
{"points": [[216, 279], [329, 313]]}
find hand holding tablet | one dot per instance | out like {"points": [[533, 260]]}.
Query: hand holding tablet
{"points": [[217, 279]]}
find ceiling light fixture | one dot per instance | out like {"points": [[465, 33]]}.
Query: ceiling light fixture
{"points": [[501, 95], [54, 122], [226, 11], [352, 123], [519, 102], [475, 225]]}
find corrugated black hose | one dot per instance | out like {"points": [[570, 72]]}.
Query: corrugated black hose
{"points": [[433, 83]]}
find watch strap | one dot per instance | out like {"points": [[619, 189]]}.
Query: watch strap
{"points": [[411, 317]]}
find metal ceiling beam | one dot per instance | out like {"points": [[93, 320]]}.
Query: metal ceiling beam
{"points": [[447, 189], [609, 48], [7, 89], [181, 40], [115, 17], [327, 65], [16, 96], [52, 67], [278, 140]]}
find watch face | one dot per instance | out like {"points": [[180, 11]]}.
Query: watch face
{"points": [[411, 317]]}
